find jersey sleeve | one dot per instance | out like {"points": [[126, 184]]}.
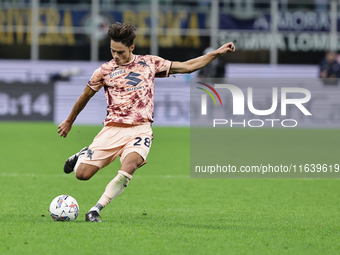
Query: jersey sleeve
{"points": [[162, 67], [96, 81]]}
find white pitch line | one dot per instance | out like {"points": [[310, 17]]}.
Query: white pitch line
{"points": [[100, 176], [138, 176]]}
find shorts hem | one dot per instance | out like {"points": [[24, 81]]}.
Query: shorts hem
{"points": [[126, 152], [90, 163]]}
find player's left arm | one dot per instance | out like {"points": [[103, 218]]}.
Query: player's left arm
{"points": [[195, 64]]}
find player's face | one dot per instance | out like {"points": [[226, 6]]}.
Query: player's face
{"points": [[121, 54]]}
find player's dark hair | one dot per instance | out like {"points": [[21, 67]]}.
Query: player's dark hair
{"points": [[124, 33]]}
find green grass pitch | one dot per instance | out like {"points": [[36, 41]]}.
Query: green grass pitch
{"points": [[163, 211]]}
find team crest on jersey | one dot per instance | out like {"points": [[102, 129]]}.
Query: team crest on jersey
{"points": [[117, 72], [142, 63]]}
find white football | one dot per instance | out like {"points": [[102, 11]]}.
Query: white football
{"points": [[64, 208]]}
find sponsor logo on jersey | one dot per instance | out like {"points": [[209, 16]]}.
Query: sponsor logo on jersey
{"points": [[132, 79], [117, 72], [135, 88]]}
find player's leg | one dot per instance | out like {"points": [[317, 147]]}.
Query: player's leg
{"points": [[131, 163], [133, 156], [82, 171], [72, 161], [85, 171], [88, 161], [116, 187]]}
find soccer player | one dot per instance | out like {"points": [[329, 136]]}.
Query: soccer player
{"points": [[128, 81]]}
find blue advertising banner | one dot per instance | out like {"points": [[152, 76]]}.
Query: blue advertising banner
{"points": [[287, 21]]}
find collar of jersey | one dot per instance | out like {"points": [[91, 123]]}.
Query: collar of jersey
{"points": [[133, 59]]}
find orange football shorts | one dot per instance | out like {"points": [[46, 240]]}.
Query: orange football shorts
{"points": [[118, 140]]}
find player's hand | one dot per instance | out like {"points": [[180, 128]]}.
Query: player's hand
{"points": [[64, 128], [228, 47]]}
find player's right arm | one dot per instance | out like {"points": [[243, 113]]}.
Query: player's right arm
{"points": [[66, 125], [94, 84]]}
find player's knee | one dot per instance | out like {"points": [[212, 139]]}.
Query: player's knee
{"points": [[132, 162], [83, 176], [85, 172]]}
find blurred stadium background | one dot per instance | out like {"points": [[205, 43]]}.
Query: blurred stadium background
{"points": [[57, 44], [48, 51]]}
